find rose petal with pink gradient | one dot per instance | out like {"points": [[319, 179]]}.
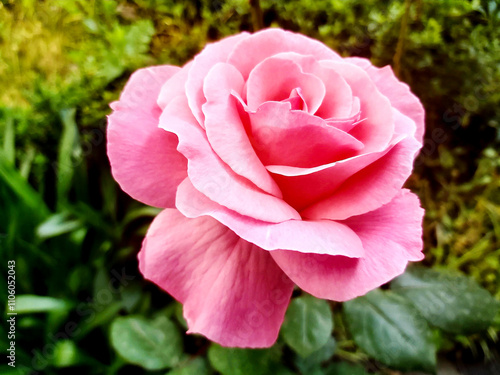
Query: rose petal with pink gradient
{"points": [[397, 92], [358, 184], [391, 237], [376, 132], [203, 62], [275, 79], [312, 236], [369, 188], [282, 136], [338, 98], [144, 159], [174, 86], [221, 185], [250, 51], [225, 130], [233, 292]]}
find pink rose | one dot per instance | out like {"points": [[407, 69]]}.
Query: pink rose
{"points": [[278, 163]]}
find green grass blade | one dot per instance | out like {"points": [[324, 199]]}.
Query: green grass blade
{"points": [[16, 182], [9, 150], [68, 154]]}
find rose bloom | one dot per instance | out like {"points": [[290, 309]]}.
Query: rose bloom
{"points": [[278, 162]]}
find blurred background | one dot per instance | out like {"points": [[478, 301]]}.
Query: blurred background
{"points": [[82, 306]]}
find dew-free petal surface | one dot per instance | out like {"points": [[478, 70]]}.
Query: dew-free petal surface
{"points": [[274, 79], [306, 187], [315, 236], [233, 292], [338, 99], [174, 86], [391, 237], [371, 187], [211, 176], [377, 129], [225, 129], [257, 47], [282, 136], [144, 159], [212, 54], [397, 92]]}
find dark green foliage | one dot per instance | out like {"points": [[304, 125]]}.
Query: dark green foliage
{"points": [[308, 325], [386, 326], [449, 301]]}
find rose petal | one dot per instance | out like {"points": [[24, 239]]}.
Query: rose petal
{"points": [[263, 44], [316, 236], [391, 236], [303, 187], [225, 130], [274, 79], [348, 123], [211, 176], [370, 188], [282, 136], [174, 86], [203, 62], [338, 99], [397, 92], [233, 292], [377, 130], [296, 100], [144, 159], [404, 125]]}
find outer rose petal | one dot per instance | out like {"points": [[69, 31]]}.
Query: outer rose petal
{"points": [[212, 176], [315, 236], [233, 292], [144, 159], [391, 236], [174, 86], [403, 124], [371, 187], [397, 92], [263, 44], [348, 187], [203, 62]]}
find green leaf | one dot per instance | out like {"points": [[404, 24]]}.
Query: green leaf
{"points": [[235, 361], [154, 345], [99, 314], [198, 366], [308, 324], [452, 302], [89, 215], [131, 295], [387, 327], [66, 354], [57, 224], [344, 368], [27, 303], [313, 361]]}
